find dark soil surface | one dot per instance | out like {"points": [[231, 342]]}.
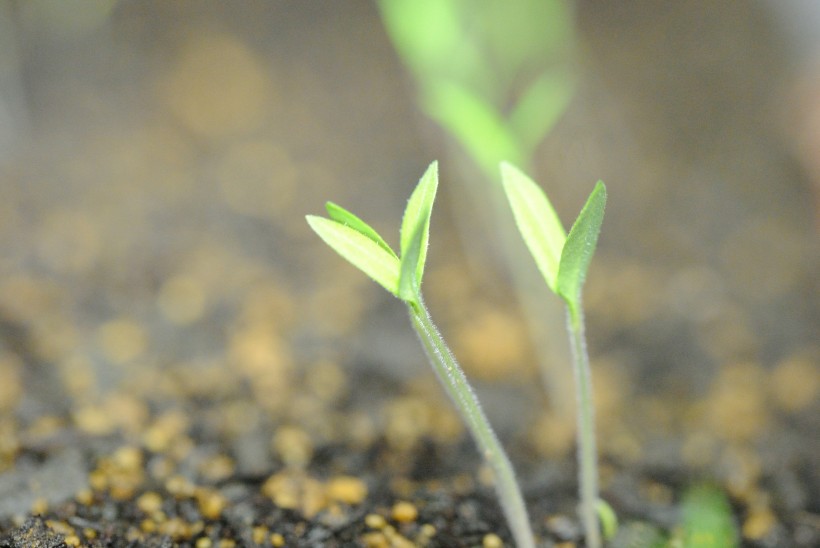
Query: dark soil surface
{"points": [[207, 467]]}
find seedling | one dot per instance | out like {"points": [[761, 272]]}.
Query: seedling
{"points": [[563, 260], [706, 520], [401, 275]]}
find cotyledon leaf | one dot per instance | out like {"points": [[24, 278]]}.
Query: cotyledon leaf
{"points": [[341, 215], [409, 281], [416, 220], [537, 221], [360, 250], [579, 247]]}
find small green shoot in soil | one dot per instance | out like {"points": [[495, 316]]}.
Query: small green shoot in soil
{"points": [[563, 260], [401, 275], [706, 520]]}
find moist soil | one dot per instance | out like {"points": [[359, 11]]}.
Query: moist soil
{"points": [[189, 476]]}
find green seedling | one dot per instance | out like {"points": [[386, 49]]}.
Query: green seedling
{"points": [[706, 520], [563, 260], [401, 275]]}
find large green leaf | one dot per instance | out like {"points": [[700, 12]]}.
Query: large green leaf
{"points": [[415, 231], [341, 215], [579, 247], [537, 221], [364, 253]]}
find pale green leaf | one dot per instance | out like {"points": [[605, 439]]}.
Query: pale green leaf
{"points": [[409, 281], [359, 250], [540, 106], [607, 518], [425, 33], [537, 221], [415, 228], [579, 248], [341, 215]]}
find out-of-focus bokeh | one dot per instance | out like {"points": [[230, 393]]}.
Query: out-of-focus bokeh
{"points": [[157, 160]]}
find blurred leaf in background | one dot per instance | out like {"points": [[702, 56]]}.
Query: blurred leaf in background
{"points": [[495, 75]]}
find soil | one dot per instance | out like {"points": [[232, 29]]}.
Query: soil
{"points": [[182, 363], [195, 460]]}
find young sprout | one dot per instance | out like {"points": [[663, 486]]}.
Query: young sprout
{"points": [[401, 275], [706, 519], [563, 260]]}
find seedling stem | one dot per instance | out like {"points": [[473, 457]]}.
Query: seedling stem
{"points": [[587, 453], [452, 377]]}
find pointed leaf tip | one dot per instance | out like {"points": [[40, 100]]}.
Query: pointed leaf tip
{"points": [[580, 246]]}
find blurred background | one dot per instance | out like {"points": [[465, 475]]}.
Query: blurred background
{"points": [[157, 160]]}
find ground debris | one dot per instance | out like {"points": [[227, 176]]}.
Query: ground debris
{"points": [[34, 533]]}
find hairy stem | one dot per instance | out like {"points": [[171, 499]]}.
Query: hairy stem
{"points": [[459, 390], [587, 454]]}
